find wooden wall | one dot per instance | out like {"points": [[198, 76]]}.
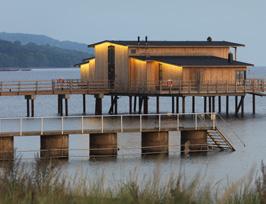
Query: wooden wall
{"points": [[211, 74], [121, 63], [182, 51], [87, 71], [147, 73]]}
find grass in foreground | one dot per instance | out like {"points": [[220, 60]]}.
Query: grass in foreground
{"points": [[44, 183]]}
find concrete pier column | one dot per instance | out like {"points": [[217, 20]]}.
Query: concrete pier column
{"points": [[194, 141], [154, 143], [98, 104], [54, 146], [103, 145], [6, 148]]}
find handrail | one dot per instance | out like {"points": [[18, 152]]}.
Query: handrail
{"points": [[24, 125], [227, 126], [174, 86]]}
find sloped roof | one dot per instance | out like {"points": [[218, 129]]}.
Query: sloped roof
{"points": [[171, 43], [194, 61]]}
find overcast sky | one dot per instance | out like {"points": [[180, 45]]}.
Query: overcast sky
{"points": [[242, 21]]}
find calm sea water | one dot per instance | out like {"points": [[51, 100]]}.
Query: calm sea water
{"points": [[219, 166]]}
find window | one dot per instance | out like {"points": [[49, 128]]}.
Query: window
{"points": [[133, 51], [111, 66], [240, 75]]}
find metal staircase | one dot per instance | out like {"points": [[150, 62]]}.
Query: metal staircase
{"points": [[216, 140]]}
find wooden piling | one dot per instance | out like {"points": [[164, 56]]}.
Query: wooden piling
{"points": [[173, 104], [157, 104], [254, 104], [219, 104], [98, 104], [140, 104], [116, 104], [213, 104], [236, 103], [193, 104], [28, 107], [205, 104], [146, 105], [66, 106], [210, 104], [177, 104], [183, 104], [130, 104], [84, 103], [227, 106], [242, 106], [135, 104]]}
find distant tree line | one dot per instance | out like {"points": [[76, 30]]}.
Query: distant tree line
{"points": [[31, 55]]}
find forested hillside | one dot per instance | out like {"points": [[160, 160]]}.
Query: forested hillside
{"points": [[15, 54]]}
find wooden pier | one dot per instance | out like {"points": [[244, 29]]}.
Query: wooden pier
{"points": [[138, 93]]}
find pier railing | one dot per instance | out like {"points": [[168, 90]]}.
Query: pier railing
{"points": [[71, 86], [22, 126]]}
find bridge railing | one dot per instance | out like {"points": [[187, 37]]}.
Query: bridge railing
{"points": [[148, 87], [105, 123]]}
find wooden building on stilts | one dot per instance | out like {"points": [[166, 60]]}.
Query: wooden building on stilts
{"points": [[141, 69]]}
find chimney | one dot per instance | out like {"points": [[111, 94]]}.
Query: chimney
{"points": [[138, 40], [209, 39], [146, 39], [230, 58]]}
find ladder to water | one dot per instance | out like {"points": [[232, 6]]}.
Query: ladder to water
{"points": [[216, 140]]}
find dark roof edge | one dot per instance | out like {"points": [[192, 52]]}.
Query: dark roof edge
{"points": [[241, 64], [123, 43], [84, 61]]}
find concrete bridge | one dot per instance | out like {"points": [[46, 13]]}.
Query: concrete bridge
{"points": [[200, 132]]}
